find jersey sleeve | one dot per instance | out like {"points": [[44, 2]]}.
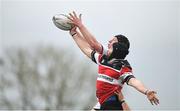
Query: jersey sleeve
{"points": [[126, 75], [104, 50], [95, 57]]}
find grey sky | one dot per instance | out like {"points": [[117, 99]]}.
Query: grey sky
{"points": [[179, 48], [151, 26]]}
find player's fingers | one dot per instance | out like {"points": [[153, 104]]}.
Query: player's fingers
{"points": [[116, 92], [74, 13], [156, 103], [153, 92], [71, 16], [70, 22], [151, 102], [80, 15], [156, 100]]}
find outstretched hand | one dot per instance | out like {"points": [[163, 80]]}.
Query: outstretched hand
{"points": [[77, 21], [151, 95]]}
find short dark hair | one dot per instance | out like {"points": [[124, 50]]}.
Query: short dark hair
{"points": [[123, 39]]}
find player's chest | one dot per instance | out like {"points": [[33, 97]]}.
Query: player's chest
{"points": [[109, 71]]}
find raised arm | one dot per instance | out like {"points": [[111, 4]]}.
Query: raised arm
{"points": [[85, 32], [138, 85], [81, 42]]}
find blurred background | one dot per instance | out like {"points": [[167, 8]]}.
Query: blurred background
{"points": [[42, 68]]}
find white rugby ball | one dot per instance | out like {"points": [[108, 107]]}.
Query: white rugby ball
{"points": [[61, 21]]}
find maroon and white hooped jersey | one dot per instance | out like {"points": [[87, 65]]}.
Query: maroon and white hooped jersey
{"points": [[112, 74]]}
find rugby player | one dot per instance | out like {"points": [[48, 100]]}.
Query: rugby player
{"points": [[113, 69]]}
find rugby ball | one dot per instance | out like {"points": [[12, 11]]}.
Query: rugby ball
{"points": [[61, 21]]}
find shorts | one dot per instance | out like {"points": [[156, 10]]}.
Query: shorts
{"points": [[112, 103]]}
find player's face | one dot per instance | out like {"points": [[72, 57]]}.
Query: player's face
{"points": [[110, 45], [111, 42]]}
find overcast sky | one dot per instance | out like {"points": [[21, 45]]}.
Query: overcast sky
{"points": [[151, 26]]}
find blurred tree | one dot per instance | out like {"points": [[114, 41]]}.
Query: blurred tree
{"points": [[46, 78]]}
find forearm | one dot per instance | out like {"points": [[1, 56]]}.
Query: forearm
{"points": [[90, 38], [141, 88], [82, 44], [138, 85]]}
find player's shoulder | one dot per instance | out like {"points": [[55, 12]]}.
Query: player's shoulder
{"points": [[126, 67], [96, 57], [125, 63]]}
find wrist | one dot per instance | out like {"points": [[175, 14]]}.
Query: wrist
{"points": [[81, 26], [123, 101], [146, 92], [73, 34]]}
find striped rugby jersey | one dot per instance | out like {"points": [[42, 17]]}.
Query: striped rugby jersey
{"points": [[111, 75]]}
